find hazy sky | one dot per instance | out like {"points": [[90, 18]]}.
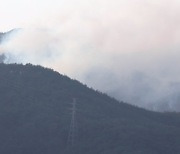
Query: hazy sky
{"points": [[127, 48], [20, 13]]}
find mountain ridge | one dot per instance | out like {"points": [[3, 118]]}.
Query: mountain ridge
{"points": [[35, 117]]}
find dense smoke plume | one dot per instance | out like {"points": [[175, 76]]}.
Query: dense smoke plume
{"points": [[128, 49]]}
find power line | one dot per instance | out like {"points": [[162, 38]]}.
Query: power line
{"points": [[72, 136]]}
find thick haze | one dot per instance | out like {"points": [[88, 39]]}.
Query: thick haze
{"points": [[127, 48]]}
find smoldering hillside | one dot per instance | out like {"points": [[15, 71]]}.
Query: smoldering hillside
{"points": [[127, 49]]}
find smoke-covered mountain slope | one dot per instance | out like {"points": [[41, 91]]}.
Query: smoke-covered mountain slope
{"points": [[5, 35], [1, 36], [35, 117]]}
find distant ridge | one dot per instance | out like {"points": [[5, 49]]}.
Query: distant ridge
{"points": [[1, 36], [4, 35]]}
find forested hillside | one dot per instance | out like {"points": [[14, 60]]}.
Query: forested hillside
{"points": [[35, 117]]}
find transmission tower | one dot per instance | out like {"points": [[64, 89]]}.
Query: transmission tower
{"points": [[72, 137]]}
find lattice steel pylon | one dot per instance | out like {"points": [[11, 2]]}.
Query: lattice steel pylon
{"points": [[73, 132]]}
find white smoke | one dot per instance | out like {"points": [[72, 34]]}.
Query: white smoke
{"points": [[128, 49]]}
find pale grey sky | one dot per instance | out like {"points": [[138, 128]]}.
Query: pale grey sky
{"points": [[20, 13]]}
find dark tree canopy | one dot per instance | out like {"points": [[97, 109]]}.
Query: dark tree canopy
{"points": [[35, 115]]}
